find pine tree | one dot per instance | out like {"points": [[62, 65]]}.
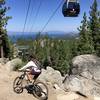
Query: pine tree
{"points": [[95, 26], [85, 45], [4, 41]]}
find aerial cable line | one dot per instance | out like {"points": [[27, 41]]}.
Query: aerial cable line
{"points": [[26, 15], [51, 16], [26, 2], [36, 15], [31, 12]]}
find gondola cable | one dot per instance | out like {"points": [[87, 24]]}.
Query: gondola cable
{"points": [[31, 13], [51, 16], [25, 3], [36, 15], [26, 16]]}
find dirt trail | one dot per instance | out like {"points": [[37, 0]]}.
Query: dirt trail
{"points": [[6, 90]]}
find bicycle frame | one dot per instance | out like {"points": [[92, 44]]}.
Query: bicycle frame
{"points": [[25, 75]]}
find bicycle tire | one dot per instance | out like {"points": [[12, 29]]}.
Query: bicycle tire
{"points": [[39, 92], [17, 85]]}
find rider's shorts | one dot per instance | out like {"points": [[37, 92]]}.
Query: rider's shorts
{"points": [[35, 71]]}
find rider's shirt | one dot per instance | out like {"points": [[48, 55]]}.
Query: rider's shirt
{"points": [[30, 64]]}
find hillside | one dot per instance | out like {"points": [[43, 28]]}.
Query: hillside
{"points": [[6, 93], [6, 83]]}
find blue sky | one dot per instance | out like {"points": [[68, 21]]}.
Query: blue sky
{"points": [[58, 23]]}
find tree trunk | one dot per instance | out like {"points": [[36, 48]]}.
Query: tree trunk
{"points": [[2, 53]]}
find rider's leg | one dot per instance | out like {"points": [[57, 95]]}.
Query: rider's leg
{"points": [[30, 76], [36, 76]]}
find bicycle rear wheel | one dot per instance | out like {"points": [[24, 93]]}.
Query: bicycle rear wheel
{"points": [[40, 91], [17, 85]]}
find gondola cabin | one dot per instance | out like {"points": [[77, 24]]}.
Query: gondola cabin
{"points": [[71, 8]]}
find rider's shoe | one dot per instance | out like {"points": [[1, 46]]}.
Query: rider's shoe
{"points": [[29, 88], [31, 82]]}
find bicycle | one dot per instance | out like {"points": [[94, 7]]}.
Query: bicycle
{"points": [[37, 88]]}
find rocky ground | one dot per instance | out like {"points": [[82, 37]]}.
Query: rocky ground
{"points": [[6, 90]]}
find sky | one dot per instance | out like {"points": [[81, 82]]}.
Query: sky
{"points": [[35, 24]]}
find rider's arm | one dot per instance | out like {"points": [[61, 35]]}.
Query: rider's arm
{"points": [[31, 63]]}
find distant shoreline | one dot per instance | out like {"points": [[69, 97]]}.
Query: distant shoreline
{"points": [[14, 36]]}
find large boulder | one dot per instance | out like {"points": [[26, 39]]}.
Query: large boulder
{"points": [[85, 76], [51, 76], [85, 86], [87, 66], [13, 64], [4, 60], [73, 83]]}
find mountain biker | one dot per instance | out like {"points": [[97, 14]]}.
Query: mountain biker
{"points": [[33, 69]]}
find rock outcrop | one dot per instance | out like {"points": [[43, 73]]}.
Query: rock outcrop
{"points": [[52, 76], [73, 83], [13, 64], [4, 60], [87, 66], [85, 76]]}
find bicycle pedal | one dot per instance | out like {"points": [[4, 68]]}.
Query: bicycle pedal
{"points": [[30, 92]]}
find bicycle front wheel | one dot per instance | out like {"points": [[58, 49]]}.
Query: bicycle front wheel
{"points": [[17, 85]]}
